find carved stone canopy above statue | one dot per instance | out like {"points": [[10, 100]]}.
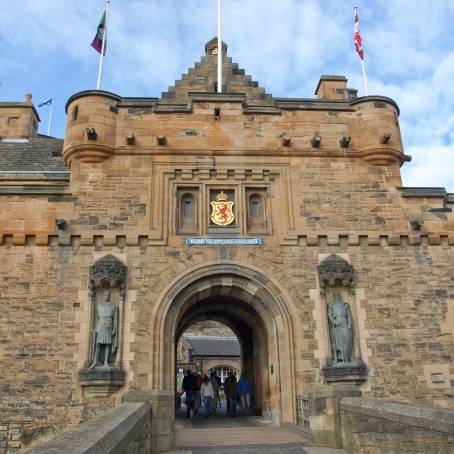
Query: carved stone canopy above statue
{"points": [[108, 272], [335, 268]]}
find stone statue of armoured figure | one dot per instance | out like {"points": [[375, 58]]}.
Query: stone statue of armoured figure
{"points": [[105, 332], [340, 319]]}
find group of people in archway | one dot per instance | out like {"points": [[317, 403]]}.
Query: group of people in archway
{"points": [[205, 390]]}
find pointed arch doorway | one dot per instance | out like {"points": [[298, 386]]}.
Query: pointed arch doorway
{"points": [[257, 311]]}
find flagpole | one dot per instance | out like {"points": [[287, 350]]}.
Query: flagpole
{"points": [[364, 78], [219, 48], [50, 116], [361, 56], [103, 47]]}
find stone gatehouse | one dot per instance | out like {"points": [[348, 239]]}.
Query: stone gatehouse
{"points": [[273, 216]]}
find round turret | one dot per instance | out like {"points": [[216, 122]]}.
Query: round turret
{"points": [[378, 136], [90, 127]]}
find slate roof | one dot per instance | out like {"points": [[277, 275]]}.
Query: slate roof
{"points": [[214, 346], [37, 154]]}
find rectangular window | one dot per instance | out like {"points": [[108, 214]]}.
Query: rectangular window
{"points": [[187, 210], [188, 207], [256, 204]]}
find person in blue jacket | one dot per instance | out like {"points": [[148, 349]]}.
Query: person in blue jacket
{"points": [[244, 388]]}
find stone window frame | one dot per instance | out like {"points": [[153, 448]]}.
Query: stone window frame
{"points": [[75, 113], [182, 192], [258, 228], [222, 371]]}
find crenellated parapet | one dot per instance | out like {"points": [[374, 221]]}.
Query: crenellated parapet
{"points": [[102, 124], [192, 118]]}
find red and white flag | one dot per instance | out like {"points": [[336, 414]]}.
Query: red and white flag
{"points": [[357, 38]]}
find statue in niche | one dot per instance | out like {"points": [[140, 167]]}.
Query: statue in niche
{"points": [[105, 332], [340, 319]]}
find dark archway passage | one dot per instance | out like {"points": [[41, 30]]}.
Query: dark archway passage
{"points": [[254, 307], [250, 330]]}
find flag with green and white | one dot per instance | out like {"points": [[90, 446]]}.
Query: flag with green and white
{"points": [[97, 43]]}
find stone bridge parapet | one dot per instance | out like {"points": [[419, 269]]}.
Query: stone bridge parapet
{"points": [[125, 429], [376, 426]]}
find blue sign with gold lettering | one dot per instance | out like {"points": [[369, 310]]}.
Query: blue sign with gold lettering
{"points": [[256, 241]]}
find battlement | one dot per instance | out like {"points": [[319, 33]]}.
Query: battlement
{"points": [[102, 124], [192, 118]]}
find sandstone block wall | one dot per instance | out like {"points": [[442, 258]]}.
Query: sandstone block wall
{"points": [[404, 322], [375, 427], [122, 200]]}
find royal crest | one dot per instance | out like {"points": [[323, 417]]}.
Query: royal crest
{"points": [[222, 210]]}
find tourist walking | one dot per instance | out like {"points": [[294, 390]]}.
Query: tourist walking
{"points": [[207, 393], [189, 386], [179, 388], [197, 397], [215, 384], [230, 393], [244, 389]]}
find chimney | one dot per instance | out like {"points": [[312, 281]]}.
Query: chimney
{"points": [[19, 120], [334, 87]]}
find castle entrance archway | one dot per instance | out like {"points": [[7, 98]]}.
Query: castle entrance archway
{"points": [[254, 308]]}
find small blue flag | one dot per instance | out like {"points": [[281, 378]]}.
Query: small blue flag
{"points": [[46, 103]]}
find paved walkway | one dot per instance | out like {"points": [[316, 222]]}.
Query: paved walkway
{"points": [[220, 434]]}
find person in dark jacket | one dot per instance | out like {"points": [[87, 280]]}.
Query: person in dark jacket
{"points": [[244, 389], [197, 395], [230, 392], [189, 386], [215, 384]]}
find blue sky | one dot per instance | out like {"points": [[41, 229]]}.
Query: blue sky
{"points": [[284, 44]]}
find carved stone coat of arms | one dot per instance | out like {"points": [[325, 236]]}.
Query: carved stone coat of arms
{"points": [[222, 210]]}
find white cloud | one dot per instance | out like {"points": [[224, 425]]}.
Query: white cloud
{"points": [[284, 44], [431, 165]]}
